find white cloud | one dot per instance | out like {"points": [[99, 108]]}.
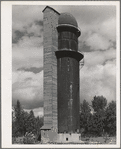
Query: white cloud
{"points": [[28, 88], [98, 76], [108, 29], [37, 111], [35, 29], [27, 57], [27, 52], [25, 14], [29, 42], [98, 57], [99, 35], [98, 42], [98, 80]]}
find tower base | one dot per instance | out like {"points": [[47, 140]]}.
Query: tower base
{"points": [[65, 138], [52, 137]]}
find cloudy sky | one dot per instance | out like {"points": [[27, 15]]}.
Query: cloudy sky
{"points": [[97, 42]]}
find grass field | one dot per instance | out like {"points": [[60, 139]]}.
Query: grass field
{"points": [[99, 140], [91, 140]]}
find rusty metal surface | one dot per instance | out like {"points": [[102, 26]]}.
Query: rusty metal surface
{"points": [[67, 40], [68, 59], [68, 94], [72, 54], [68, 28]]}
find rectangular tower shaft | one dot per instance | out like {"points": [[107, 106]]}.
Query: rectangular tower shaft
{"points": [[50, 39]]}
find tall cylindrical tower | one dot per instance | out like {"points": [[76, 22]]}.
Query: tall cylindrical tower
{"points": [[68, 59]]}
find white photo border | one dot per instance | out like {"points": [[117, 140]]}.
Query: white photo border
{"points": [[6, 71]]}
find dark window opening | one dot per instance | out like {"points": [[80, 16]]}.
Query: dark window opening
{"points": [[66, 139]]}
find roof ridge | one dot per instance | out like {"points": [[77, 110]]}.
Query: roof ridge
{"points": [[50, 8]]}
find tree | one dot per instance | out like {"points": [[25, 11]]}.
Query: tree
{"points": [[39, 124], [24, 122], [18, 122], [110, 121], [31, 122], [85, 116], [99, 103], [96, 124], [85, 108]]}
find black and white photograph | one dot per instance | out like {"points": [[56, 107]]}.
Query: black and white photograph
{"points": [[60, 74]]}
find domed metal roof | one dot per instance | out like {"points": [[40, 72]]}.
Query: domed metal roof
{"points": [[66, 18]]}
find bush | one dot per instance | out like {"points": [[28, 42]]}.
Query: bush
{"points": [[29, 138]]}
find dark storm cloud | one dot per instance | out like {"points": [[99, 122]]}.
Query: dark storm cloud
{"points": [[114, 44], [39, 22], [17, 36], [109, 61], [32, 69], [32, 29], [84, 48], [28, 104], [31, 34]]}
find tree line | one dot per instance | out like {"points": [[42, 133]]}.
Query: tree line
{"points": [[96, 119], [99, 118]]}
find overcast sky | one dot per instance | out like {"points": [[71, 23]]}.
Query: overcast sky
{"points": [[97, 42]]}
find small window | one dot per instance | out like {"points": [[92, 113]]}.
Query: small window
{"points": [[68, 64], [66, 139]]}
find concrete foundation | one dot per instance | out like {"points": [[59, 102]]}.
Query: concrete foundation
{"points": [[51, 136]]}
